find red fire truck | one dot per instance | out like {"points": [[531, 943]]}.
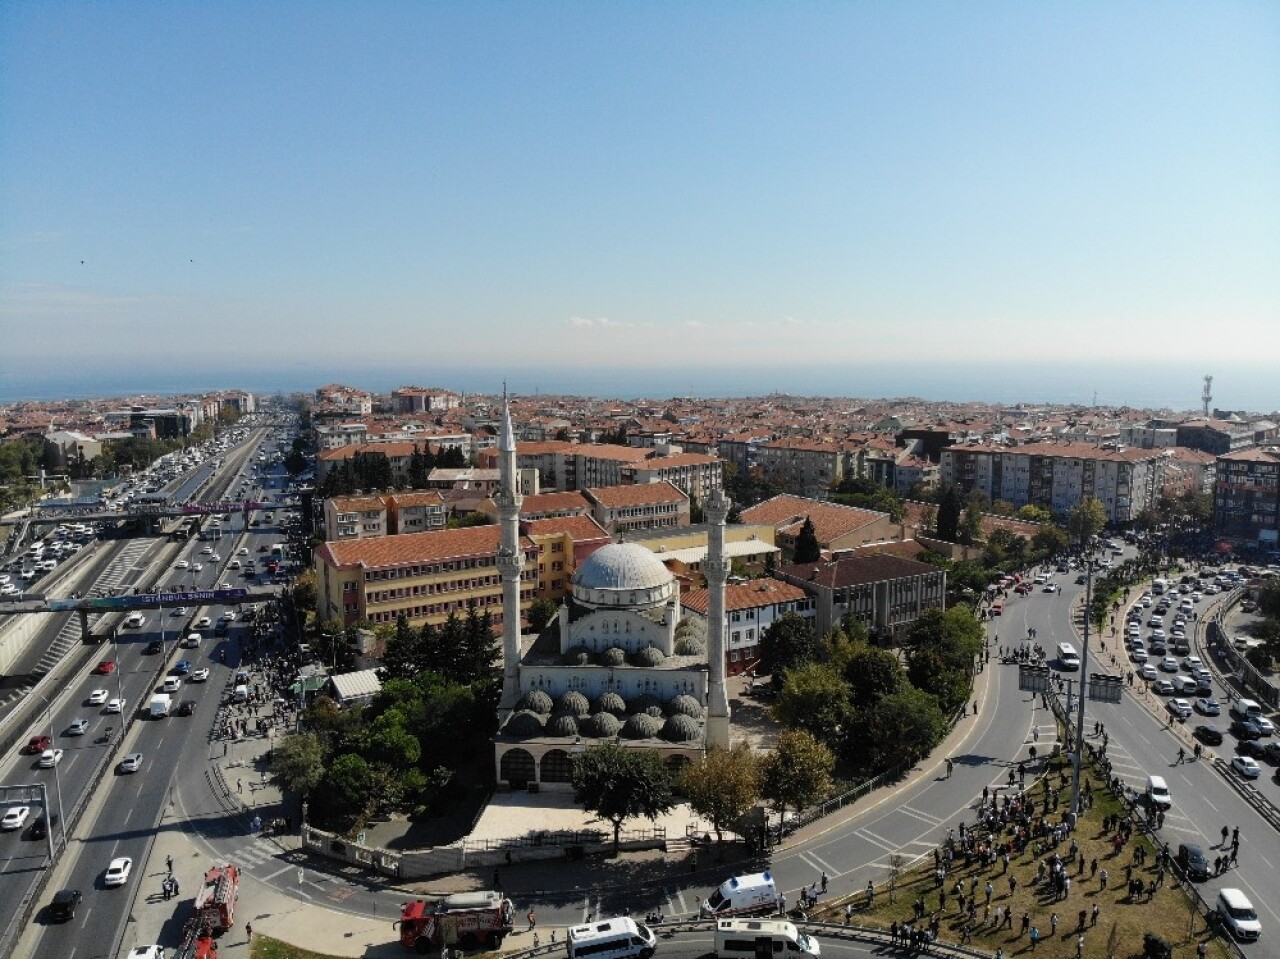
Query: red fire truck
{"points": [[465, 919], [216, 900]]}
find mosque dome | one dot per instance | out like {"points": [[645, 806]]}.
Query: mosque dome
{"points": [[641, 727], [685, 706], [524, 725], [681, 729], [623, 575], [601, 726], [535, 701]]}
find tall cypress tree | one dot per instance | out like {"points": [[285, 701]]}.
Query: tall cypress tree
{"points": [[807, 548]]}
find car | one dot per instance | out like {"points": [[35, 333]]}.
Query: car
{"points": [[1178, 707], [64, 904], [199, 676], [154, 647], [1169, 664], [204, 622], [1192, 861], [1209, 735], [243, 551], [187, 707], [264, 548], [50, 758], [98, 697], [37, 744], [15, 818], [131, 763], [182, 667], [207, 551], [1265, 726], [1147, 671], [1162, 687], [78, 728], [1022, 589], [181, 564], [106, 667], [197, 567], [1139, 655], [1251, 747], [117, 873], [1050, 588], [1208, 706], [229, 616], [1245, 729], [115, 705], [1246, 766], [146, 952], [215, 558], [1192, 663]]}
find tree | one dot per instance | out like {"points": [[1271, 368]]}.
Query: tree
{"points": [[797, 773], [1050, 540], [789, 641], [807, 548], [304, 592], [618, 784], [1035, 514], [902, 726], [930, 672], [541, 612], [1087, 520], [971, 522], [403, 656], [297, 763], [723, 786], [950, 507], [873, 674], [814, 698]]}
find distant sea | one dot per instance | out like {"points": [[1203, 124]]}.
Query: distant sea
{"points": [[1030, 379]]}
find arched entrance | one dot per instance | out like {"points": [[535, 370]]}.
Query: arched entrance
{"points": [[518, 768], [557, 767]]}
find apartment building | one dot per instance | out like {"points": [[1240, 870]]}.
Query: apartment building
{"points": [[417, 511], [1058, 476], [885, 593], [418, 399], [697, 474], [837, 527], [750, 609], [346, 399], [564, 543], [423, 576], [1246, 497], [398, 456], [355, 517], [805, 466], [621, 509]]}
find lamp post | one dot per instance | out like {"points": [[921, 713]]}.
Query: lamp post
{"points": [[57, 781], [1084, 678]]}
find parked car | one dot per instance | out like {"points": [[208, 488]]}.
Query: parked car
{"points": [[1208, 706], [1209, 735], [1246, 766], [1192, 861]]}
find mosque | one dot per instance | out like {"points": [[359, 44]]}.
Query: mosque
{"points": [[614, 664]]}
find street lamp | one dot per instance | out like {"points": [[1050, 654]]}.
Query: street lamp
{"points": [[1084, 678], [57, 779]]}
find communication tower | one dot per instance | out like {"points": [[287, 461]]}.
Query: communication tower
{"points": [[1206, 394]]}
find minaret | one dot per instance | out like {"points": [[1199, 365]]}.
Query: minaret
{"points": [[716, 569], [510, 558]]}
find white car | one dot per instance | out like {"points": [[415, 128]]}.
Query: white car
{"points": [[196, 567], [200, 676], [117, 873], [1246, 766], [180, 611], [215, 558], [131, 763], [181, 564], [78, 728], [50, 758], [1148, 671], [1179, 707], [204, 622], [229, 616], [1169, 664], [115, 706], [15, 818], [207, 551], [244, 551], [98, 697]]}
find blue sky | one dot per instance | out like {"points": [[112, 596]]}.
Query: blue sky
{"points": [[637, 185]]}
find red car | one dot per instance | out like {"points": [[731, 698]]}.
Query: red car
{"points": [[1023, 588], [106, 666], [38, 744]]}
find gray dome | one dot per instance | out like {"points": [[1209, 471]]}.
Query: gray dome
{"points": [[578, 656], [610, 703], [681, 729], [685, 706], [622, 566], [601, 726], [613, 656], [654, 711], [574, 703], [643, 702], [562, 725], [650, 656], [524, 725], [690, 646], [641, 727], [535, 701]]}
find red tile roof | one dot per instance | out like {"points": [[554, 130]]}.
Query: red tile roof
{"points": [[752, 595], [554, 503], [786, 514], [640, 494], [414, 548], [580, 529], [858, 570]]}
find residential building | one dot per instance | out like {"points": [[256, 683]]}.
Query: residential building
{"points": [[750, 608], [355, 517], [1218, 437], [684, 550], [697, 474], [1246, 497], [621, 509], [564, 543], [398, 457], [885, 593], [837, 527], [809, 467], [416, 511], [417, 399]]}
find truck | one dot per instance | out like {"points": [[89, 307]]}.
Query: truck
{"points": [[482, 918], [160, 705], [216, 900], [755, 894]]}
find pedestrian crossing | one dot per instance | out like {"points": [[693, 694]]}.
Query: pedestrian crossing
{"points": [[255, 853]]}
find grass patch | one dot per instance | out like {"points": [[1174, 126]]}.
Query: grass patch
{"points": [[264, 947], [1121, 923]]}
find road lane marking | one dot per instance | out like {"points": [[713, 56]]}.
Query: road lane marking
{"points": [[922, 816], [282, 869], [821, 865], [876, 840]]}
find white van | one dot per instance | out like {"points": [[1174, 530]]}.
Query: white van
{"points": [[1159, 586], [1238, 915], [1158, 792], [751, 938], [620, 938], [1068, 658], [743, 895], [1245, 709]]}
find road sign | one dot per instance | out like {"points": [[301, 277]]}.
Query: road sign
{"points": [[196, 597]]}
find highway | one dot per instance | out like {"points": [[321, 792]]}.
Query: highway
{"points": [[129, 804]]}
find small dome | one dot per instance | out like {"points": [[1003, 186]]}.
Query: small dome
{"points": [[690, 646], [642, 702], [610, 703], [691, 627], [601, 726], [613, 656], [578, 656], [574, 703], [621, 566], [681, 729], [562, 725], [641, 727], [654, 711], [524, 725], [535, 701], [650, 656], [685, 706]]}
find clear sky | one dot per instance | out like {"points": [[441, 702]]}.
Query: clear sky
{"points": [[624, 185]]}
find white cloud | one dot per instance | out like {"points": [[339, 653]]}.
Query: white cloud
{"points": [[598, 323]]}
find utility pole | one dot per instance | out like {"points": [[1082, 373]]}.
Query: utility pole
{"points": [[1084, 678]]}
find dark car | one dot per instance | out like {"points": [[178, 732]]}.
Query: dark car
{"points": [[40, 825], [1271, 752], [1251, 747], [63, 907], [1245, 730], [186, 707], [38, 744], [1209, 735], [1192, 860], [182, 667], [154, 647]]}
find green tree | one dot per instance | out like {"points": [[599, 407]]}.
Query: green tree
{"points": [[815, 699], [403, 656], [971, 522], [304, 592], [930, 672], [1050, 540], [873, 674], [950, 508], [297, 763], [797, 773], [789, 641], [807, 548], [541, 612], [723, 786], [902, 726], [1035, 514], [1087, 520], [618, 784]]}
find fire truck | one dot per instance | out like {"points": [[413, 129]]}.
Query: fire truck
{"points": [[216, 900], [465, 919], [197, 943]]}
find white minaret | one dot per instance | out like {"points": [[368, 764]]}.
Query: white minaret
{"points": [[716, 569], [510, 558]]}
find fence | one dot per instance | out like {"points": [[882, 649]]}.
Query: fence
{"points": [[1248, 674]]}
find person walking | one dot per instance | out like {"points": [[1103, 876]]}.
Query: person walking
{"points": [[1035, 937], [1182, 756], [248, 931], [533, 921]]}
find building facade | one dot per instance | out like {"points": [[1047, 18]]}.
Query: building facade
{"points": [[1246, 497], [886, 594], [750, 609]]}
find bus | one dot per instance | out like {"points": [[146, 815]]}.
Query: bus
{"points": [[185, 529]]}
